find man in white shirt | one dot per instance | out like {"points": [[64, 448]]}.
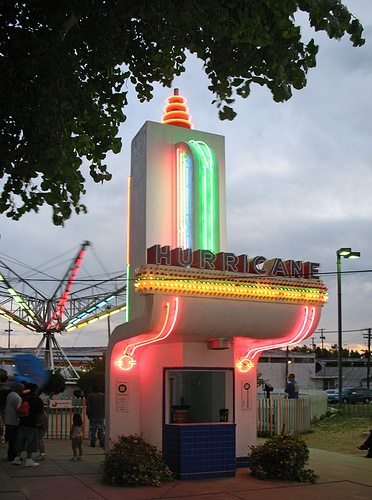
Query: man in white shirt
{"points": [[4, 391], [13, 402]]}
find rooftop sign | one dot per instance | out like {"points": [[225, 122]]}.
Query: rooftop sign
{"points": [[227, 261]]}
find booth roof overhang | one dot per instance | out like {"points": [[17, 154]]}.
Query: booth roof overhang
{"points": [[188, 305]]}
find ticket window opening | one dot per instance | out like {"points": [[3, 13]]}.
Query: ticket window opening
{"points": [[199, 396]]}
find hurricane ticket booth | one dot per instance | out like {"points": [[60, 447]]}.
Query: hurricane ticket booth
{"points": [[182, 369]]}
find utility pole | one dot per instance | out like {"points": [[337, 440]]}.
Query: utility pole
{"points": [[286, 365], [368, 337], [108, 327], [322, 337], [108, 322], [8, 331]]}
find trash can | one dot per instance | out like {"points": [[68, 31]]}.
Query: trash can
{"points": [[179, 414]]}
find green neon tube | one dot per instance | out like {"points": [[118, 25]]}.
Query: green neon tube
{"points": [[206, 197]]}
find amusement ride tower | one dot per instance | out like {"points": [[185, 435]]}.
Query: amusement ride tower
{"points": [[66, 309]]}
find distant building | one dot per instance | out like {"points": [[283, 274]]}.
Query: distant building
{"points": [[311, 373], [275, 364], [273, 367], [354, 373]]}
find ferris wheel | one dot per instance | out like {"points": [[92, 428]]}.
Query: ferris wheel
{"points": [[74, 303]]}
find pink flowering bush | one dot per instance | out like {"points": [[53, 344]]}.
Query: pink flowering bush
{"points": [[282, 457], [134, 462]]}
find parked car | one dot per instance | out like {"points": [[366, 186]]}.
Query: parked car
{"points": [[350, 395], [332, 395], [357, 395]]}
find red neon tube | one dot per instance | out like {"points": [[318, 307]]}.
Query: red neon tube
{"points": [[126, 360]]}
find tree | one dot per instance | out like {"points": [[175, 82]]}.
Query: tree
{"points": [[55, 385], [65, 67], [94, 375], [324, 353], [304, 349]]}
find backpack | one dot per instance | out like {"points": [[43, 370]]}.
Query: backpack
{"points": [[24, 409], [4, 391]]}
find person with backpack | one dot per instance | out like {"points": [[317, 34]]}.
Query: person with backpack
{"points": [[292, 387], [13, 402], [27, 439]]}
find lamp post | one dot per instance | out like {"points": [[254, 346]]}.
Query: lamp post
{"points": [[346, 253]]}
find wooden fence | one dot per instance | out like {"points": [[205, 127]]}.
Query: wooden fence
{"points": [[60, 421], [274, 416], [318, 406], [289, 416]]}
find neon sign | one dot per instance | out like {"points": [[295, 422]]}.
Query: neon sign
{"points": [[185, 205], [246, 364], [206, 197], [168, 280], [198, 214], [227, 261], [176, 112], [127, 361]]}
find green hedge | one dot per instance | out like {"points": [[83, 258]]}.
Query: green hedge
{"points": [[282, 457], [134, 462]]}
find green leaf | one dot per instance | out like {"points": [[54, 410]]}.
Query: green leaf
{"points": [[64, 90]]}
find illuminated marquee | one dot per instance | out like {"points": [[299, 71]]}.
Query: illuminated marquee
{"points": [[171, 280], [226, 261]]}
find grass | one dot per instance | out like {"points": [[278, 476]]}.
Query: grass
{"points": [[339, 432]]}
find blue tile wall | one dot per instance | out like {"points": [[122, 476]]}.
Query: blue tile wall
{"points": [[200, 450]]}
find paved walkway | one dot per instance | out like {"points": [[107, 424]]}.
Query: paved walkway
{"points": [[57, 478]]}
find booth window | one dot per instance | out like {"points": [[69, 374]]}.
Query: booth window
{"points": [[199, 395]]}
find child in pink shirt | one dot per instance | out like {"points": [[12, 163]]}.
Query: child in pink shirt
{"points": [[76, 436]]}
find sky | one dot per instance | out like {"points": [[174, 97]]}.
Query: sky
{"points": [[298, 177]]}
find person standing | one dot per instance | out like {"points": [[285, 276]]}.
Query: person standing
{"points": [[76, 436], [42, 427], [367, 445], [96, 416], [292, 387], [13, 402], [4, 391], [27, 432]]}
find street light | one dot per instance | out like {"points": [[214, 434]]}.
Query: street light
{"points": [[346, 253]]}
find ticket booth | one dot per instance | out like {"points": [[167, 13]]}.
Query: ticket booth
{"points": [[199, 428], [182, 368]]}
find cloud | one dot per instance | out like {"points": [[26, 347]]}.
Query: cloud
{"points": [[298, 174]]}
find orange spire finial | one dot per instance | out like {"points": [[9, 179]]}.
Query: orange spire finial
{"points": [[176, 112]]}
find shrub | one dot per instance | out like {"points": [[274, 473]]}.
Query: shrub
{"points": [[55, 384], [134, 462], [282, 457]]}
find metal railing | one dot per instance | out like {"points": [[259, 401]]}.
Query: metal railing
{"points": [[355, 409]]}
